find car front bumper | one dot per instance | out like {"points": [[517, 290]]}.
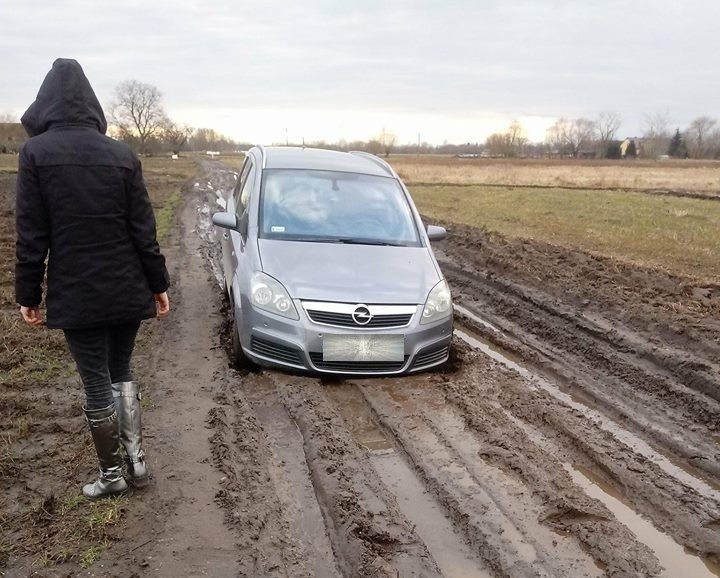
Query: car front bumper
{"points": [[269, 339]]}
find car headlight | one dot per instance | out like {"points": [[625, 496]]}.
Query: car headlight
{"points": [[438, 304], [268, 294]]}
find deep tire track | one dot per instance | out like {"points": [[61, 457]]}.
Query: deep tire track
{"points": [[370, 535], [660, 409]]}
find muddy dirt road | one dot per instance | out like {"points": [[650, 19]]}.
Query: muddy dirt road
{"points": [[574, 433]]}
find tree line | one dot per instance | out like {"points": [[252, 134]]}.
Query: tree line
{"points": [[137, 116], [598, 138]]}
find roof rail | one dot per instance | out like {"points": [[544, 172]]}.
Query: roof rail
{"points": [[383, 164], [262, 153]]}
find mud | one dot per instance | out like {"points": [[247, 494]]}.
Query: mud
{"points": [[574, 432]]}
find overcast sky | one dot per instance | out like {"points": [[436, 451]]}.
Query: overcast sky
{"points": [[322, 69]]}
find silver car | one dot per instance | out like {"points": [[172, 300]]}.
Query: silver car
{"points": [[328, 266]]}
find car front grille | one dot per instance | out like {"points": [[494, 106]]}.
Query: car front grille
{"points": [[275, 351], [346, 320], [370, 316], [357, 366], [425, 358]]}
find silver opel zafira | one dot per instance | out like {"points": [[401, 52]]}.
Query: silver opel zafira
{"points": [[328, 266]]}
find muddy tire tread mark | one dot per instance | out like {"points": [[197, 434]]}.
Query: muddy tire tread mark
{"points": [[241, 453], [370, 535]]}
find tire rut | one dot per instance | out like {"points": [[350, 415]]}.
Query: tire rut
{"points": [[489, 506], [370, 535], [492, 408], [659, 409]]}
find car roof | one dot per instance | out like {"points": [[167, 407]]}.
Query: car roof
{"points": [[326, 160]]}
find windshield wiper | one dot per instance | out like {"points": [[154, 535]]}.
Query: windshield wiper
{"points": [[345, 241], [354, 241]]}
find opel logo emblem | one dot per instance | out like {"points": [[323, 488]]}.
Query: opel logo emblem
{"points": [[362, 315]]}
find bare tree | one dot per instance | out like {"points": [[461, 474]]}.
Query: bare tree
{"points": [[656, 135], [137, 111], [510, 143], [175, 135], [517, 137], [387, 139], [571, 136], [497, 144], [606, 126], [698, 137]]}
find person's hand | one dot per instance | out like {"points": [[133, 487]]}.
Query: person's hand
{"points": [[32, 316], [162, 304]]}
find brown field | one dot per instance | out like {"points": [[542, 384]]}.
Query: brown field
{"points": [[698, 176]]}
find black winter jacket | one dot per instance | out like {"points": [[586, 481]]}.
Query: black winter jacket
{"points": [[82, 203]]}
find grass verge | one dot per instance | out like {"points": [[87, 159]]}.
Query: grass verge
{"points": [[165, 217]]}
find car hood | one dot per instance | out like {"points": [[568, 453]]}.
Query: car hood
{"points": [[350, 273]]}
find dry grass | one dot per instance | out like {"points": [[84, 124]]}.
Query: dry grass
{"points": [[234, 160], [8, 163], [696, 176], [676, 234]]}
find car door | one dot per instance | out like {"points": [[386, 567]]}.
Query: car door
{"points": [[233, 241]]}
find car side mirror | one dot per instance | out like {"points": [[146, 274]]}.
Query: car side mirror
{"points": [[225, 220], [436, 233]]}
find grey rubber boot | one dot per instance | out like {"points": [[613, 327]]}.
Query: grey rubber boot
{"points": [[127, 403], [104, 431]]}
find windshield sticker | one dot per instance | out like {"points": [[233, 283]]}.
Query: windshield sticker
{"points": [[276, 229]]}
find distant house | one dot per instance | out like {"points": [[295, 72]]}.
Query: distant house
{"points": [[12, 136], [626, 144]]}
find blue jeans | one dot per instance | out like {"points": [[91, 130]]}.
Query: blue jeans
{"points": [[102, 356]]}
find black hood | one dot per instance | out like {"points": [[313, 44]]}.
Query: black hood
{"points": [[65, 97]]}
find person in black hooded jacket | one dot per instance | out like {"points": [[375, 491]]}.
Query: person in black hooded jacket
{"points": [[82, 205]]}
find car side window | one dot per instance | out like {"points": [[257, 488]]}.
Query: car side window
{"points": [[242, 179], [242, 194]]}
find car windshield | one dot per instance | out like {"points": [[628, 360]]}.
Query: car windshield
{"points": [[335, 207]]}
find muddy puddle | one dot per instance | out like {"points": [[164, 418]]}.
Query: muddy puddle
{"points": [[676, 560], [291, 477], [453, 555], [475, 318], [670, 466]]}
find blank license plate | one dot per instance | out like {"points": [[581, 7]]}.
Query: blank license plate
{"points": [[363, 348]]}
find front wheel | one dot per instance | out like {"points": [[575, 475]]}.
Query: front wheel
{"points": [[238, 358]]}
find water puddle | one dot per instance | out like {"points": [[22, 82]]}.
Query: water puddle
{"points": [[644, 531], [495, 354], [479, 320], [292, 480], [351, 405], [448, 548], [676, 559], [603, 422]]}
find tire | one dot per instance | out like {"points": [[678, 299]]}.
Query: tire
{"points": [[238, 358]]}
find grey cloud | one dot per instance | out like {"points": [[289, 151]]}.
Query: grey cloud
{"points": [[535, 57]]}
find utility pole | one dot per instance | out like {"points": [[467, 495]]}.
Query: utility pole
{"points": [[287, 142], [418, 149]]}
